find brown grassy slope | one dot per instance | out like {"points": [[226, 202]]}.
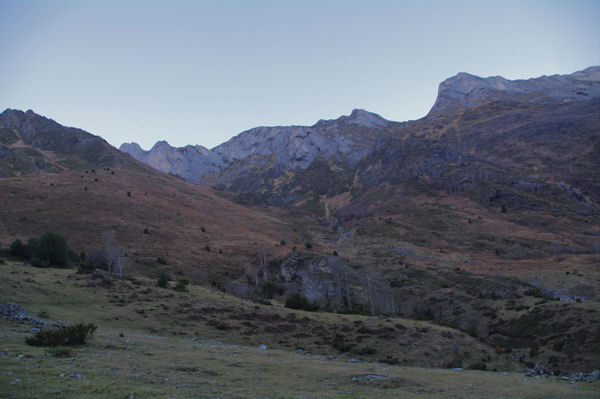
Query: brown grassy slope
{"points": [[173, 212]]}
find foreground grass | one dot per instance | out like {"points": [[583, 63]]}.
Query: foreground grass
{"points": [[146, 366], [125, 359]]}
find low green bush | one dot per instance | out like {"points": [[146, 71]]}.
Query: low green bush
{"points": [[299, 302], [339, 343], [181, 285], [75, 334], [478, 366], [60, 352]]}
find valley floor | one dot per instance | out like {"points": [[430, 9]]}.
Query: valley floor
{"points": [[132, 356]]}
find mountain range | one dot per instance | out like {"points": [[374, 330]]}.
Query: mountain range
{"points": [[269, 155]]}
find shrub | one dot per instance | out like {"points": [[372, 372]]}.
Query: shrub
{"points": [[73, 256], [52, 247], [129, 193], [335, 253], [146, 231], [478, 366], [60, 352], [299, 301], [269, 289], [207, 248], [182, 284], [282, 242], [308, 245], [472, 330], [74, 334], [162, 261], [16, 248], [163, 280], [340, 343], [37, 262]]}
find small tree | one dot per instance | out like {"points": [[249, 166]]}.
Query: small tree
{"points": [[52, 248], [163, 280], [109, 256]]}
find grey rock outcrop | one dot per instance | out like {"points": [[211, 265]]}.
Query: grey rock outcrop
{"points": [[193, 163]]}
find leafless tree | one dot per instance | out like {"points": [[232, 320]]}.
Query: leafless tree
{"points": [[370, 292], [262, 267], [112, 254]]}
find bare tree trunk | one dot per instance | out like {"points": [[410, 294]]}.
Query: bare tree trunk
{"points": [[262, 266], [370, 291], [348, 298]]}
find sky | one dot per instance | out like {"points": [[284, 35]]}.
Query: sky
{"points": [[200, 72]]}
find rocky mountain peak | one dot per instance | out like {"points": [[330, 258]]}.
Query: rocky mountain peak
{"points": [[466, 90], [364, 118]]}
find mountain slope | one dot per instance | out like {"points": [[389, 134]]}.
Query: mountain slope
{"points": [[64, 178]]}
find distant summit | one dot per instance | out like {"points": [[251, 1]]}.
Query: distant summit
{"points": [[466, 90], [294, 147]]}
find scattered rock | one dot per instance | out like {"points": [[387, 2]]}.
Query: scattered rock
{"points": [[538, 370], [583, 377], [13, 311]]}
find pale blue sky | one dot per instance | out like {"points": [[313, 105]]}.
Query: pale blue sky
{"points": [[199, 72]]}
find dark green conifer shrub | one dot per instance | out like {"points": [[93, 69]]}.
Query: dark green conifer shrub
{"points": [[52, 248], [299, 301]]}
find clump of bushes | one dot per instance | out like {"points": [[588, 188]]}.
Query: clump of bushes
{"points": [[50, 250], [23, 251], [75, 334], [161, 261], [300, 302]]}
